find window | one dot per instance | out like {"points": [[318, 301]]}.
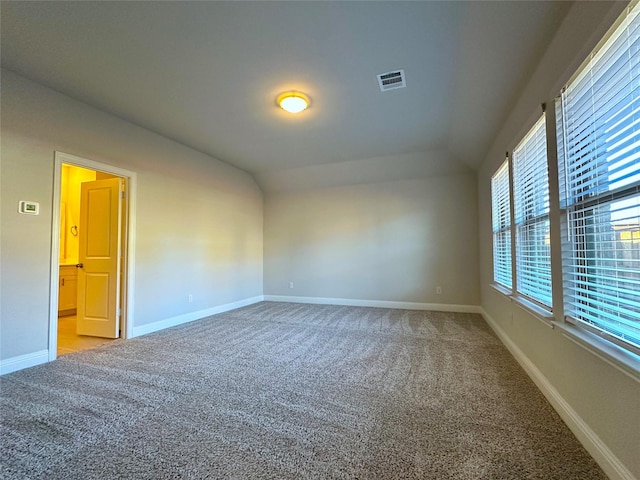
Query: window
{"points": [[531, 214], [501, 219], [598, 122]]}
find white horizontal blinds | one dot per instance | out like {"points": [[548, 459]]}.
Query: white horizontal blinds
{"points": [[599, 131], [501, 220], [602, 112], [603, 267], [531, 213]]}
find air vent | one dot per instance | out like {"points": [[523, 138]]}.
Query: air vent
{"points": [[392, 80]]}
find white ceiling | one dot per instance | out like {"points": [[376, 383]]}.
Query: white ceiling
{"points": [[207, 73]]}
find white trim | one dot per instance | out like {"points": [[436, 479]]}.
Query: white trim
{"points": [[192, 316], [623, 360], [536, 311], [507, 292], [438, 307], [14, 364], [55, 260], [128, 317], [607, 460]]}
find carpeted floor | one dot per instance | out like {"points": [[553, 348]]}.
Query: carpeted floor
{"points": [[289, 391]]}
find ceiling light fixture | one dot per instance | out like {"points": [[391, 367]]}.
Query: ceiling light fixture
{"points": [[293, 102]]}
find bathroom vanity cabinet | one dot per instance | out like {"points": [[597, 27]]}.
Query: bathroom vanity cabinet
{"points": [[68, 290]]}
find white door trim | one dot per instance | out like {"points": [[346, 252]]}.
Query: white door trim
{"points": [[126, 320]]}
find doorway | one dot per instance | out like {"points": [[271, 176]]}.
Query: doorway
{"points": [[91, 274]]}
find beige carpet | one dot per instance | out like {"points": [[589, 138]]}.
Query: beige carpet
{"points": [[288, 391]]}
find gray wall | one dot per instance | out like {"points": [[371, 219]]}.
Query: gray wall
{"points": [[200, 231], [389, 241], [199, 220], [603, 398]]}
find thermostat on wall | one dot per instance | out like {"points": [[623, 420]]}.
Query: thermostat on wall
{"points": [[29, 208]]}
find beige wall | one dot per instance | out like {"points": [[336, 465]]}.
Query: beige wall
{"points": [[200, 230], [393, 241], [199, 220], [604, 400]]}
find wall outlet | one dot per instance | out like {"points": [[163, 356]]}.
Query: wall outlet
{"points": [[190, 298], [438, 290], [290, 284]]}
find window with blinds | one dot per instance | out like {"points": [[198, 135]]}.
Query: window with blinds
{"points": [[531, 216], [598, 122], [501, 220]]}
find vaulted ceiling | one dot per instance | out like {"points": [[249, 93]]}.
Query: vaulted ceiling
{"points": [[206, 74]]}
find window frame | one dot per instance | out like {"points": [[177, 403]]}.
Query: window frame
{"points": [[622, 174], [501, 200], [588, 190], [525, 164]]}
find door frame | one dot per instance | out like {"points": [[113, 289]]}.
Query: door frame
{"points": [[128, 246]]}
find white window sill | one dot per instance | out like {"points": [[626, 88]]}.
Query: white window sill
{"points": [[540, 313], [501, 289], [624, 360]]}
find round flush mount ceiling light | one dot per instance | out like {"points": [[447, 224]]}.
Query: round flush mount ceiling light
{"points": [[293, 102]]}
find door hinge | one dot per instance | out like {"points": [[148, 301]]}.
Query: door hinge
{"points": [[122, 195], [118, 313]]}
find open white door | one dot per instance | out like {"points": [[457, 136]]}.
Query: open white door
{"points": [[99, 258]]}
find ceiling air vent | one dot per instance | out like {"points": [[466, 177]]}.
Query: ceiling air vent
{"points": [[392, 80]]}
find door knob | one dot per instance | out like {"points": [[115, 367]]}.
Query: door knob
{"points": [[79, 265]]}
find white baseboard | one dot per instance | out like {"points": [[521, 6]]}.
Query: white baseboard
{"points": [[190, 317], [607, 460], [14, 364], [438, 307]]}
